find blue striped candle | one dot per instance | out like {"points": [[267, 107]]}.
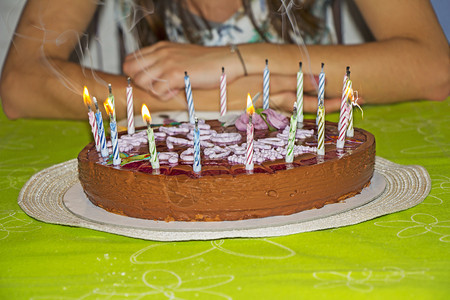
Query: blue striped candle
{"points": [[266, 85], [113, 103], [321, 94], [115, 142], [197, 160], [190, 101], [101, 130]]}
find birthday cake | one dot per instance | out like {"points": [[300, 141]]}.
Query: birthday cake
{"points": [[224, 190]]}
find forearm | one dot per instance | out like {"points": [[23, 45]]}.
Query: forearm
{"points": [[409, 60], [54, 90], [384, 71]]}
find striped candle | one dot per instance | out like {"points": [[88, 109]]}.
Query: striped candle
{"points": [[344, 119], [249, 165], [223, 93], [151, 138], [300, 95], [130, 112], [344, 104], [94, 129], [114, 135], [291, 138], [92, 121], [344, 97], [190, 101], [152, 147], [115, 142], [197, 160], [111, 98], [266, 85], [250, 131], [101, 130], [321, 131], [321, 94]]}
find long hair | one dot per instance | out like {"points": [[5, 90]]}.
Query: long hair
{"points": [[151, 29]]}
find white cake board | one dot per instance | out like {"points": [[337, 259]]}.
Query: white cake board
{"points": [[54, 195]]}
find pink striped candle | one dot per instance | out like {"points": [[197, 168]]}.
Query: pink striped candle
{"points": [[250, 131], [94, 129], [343, 98], [300, 96], [92, 121], [130, 112], [223, 93]]}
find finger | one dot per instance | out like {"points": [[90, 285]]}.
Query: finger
{"points": [[145, 79], [139, 64], [171, 94], [167, 77], [148, 50], [164, 89]]}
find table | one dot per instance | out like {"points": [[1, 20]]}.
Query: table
{"points": [[402, 255]]}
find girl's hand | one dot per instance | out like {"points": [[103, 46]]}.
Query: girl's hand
{"points": [[160, 68]]}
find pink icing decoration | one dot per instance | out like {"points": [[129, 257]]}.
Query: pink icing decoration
{"points": [[275, 119], [258, 122]]}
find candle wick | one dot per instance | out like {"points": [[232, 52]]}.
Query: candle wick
{"points": [[223, 70], [129, 81], [300, 66], [95, 103]]}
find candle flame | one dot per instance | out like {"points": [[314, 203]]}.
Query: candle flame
{"points": [[86, 97], [108, 107], [146, 114], [250, 108], [350, 93]]}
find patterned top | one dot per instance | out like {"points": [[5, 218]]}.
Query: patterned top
{"points": [[238, 29]]}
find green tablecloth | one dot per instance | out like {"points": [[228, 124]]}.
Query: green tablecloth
{"points": [[403, 255]]}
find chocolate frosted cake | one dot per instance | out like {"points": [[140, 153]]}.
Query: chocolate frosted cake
{"points": [[224, 190]]}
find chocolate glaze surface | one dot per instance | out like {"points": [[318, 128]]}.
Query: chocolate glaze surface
{"points": [[225, 191]]}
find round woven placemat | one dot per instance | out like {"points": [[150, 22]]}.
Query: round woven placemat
{"points": [[42, 198]]}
